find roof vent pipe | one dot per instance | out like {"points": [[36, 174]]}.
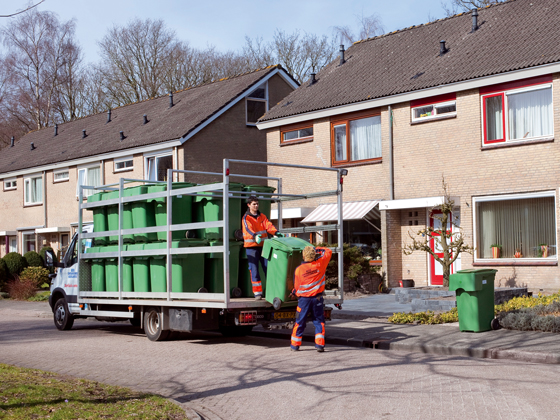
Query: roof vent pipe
{"points": [[12, 142], [122, 135], [32, 146], [145, 118], [474, 20], [56, 129], [442, 48], [109, 115], [313, 80], [84, 135], [170, 99], [342, 55]]}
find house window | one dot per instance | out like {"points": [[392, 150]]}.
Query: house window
{"points": [[123, 164], [61, 175], [157, 166], [10, 184], [297, 135], [518, 114], [28, 241], [355, 140], [427, 112], [13, 244], [257, 104], [88, 176], [33, 187], [523, 226]]}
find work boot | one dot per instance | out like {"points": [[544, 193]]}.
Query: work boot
{"points": [[258, 297], [320, 349], [292, 348]]}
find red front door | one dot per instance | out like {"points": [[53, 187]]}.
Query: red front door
{"points": [[436, 270]]}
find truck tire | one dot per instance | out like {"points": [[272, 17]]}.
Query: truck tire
{"points": [[63, 319], [153, 325], [235, 331]]}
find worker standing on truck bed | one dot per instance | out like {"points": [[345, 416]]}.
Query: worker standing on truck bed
{"points": [[309, 284], [256, 228]]}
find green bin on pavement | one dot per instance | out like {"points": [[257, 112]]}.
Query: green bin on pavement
{"points": [[140, 269], [264, 205], [97, 270], [209, 208], [474, 289], [214, 269], [245, 276], [99, 219], [283, 255], [181, 209]]}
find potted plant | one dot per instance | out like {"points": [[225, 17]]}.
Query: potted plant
{"points": [[543, 250], [518, 253], [496, 250]]}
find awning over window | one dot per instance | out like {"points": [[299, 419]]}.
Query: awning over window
{"points": [[293, 213], [8, 233], [53, 230], [355, 210]]}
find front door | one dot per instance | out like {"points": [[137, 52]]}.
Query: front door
{"points": [[436, 269]]}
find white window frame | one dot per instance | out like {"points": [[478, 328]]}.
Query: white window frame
{"points": [[505, 197], [249, 98], [61, 171], [155, 156], [123, 160], [23, 242], [435, 107], [87, 193], [27, 184], [12, 184], [505, 112]]}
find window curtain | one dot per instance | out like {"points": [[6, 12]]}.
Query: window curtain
{"points": [[516, 225], [340, 142], [494, 118], [530, 114], [36, 190], [81, 181], [93, 179], [365, 138], [151, 169]]}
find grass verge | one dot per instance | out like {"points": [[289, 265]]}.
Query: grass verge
{"points": [[35, 394]]}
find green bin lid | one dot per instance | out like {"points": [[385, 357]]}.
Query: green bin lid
{"points": [[287, 245], [471, 280], [95, 197]]}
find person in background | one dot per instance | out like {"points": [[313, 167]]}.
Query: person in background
{"points": [[309, 284], [256, 228]]}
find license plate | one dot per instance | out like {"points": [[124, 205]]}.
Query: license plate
{"points": [[284, 315]]}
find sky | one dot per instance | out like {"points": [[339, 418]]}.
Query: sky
{"points": [[225, 23]]}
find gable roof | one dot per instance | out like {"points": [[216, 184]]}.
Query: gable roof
{"points": [[193, 107], [514, 35]]}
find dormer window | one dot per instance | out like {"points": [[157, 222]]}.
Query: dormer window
{"points": [[256, 104]]}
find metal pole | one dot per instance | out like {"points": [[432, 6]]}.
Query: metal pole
{"points": [[280, 204], [79, 244], [121, 215], [169, 265], [340, 238], [226, 231]]}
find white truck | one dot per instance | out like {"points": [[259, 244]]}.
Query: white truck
{"points": [[160, 313]]}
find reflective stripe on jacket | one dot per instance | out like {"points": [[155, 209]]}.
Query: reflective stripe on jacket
{"points": [[255, 225], [309, 277]]}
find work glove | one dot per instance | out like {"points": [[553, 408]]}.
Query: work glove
{"points": [[258, 239], [279, 235]]}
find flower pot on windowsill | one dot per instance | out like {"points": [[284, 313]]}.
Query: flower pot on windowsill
{"points": [[544, 250], [496, 252], [518, 254]]}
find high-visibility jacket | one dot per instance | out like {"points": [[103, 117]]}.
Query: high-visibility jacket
{"points": [[256, 225], [309, 277]]}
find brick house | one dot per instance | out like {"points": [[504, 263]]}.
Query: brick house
{"points": [[192, 129], [475, 99]]}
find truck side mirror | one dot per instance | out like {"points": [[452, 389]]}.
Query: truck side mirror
{"points": [[49, 258]]}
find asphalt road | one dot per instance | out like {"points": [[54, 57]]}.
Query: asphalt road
{"points": [[259, 378]]}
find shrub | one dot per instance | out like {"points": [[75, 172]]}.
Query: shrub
{"points": [[355, 264], [543, 317], [428, 317], [34, 259], [3, 273], [15, 263], [38, 275], [21, 289]]}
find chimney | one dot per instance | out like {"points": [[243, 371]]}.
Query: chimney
{"points": [[442, 48], [56, 129], [108, 116], [170, 99], [313, 80], [84, 135], [145, 118], [342, 61], [32, 146], [12, 142], [122, 135], [474, 20]]}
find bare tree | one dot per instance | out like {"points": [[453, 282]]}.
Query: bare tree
{"points": [[22, 11], [368, 26], [449, 237], [452, 7]]}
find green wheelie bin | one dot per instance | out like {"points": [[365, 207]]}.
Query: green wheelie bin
{"points": [[97, 270], [209, 208], [245, 276], [181, 209], [112, 215], [158, 271], [140, 270], [127, 272], [264, 205], [111, 269], [143, 215], [474, 289], [283, 255], [214, 269], [99, 219]]}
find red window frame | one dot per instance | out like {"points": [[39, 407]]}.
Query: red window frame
{"points": [[346, 121], [503, 139]]}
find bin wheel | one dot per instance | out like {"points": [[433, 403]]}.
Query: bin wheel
{"points": [[238, 235], [202, 290], [236, 292], [153, 325], [277, 303], [495, 324], [235, 331]]}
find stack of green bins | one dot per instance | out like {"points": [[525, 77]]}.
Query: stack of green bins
{"points": [[112, 215], [214, 269], [283, 255], [111, 269], [99, 219], [209, 208], [264, 205], [143, 215], [181, 209], [127, 273], [97, 271], [127, 214], [140, 269], [245, 276]]}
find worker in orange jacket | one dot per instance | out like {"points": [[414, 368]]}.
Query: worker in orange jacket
{"points": [[256, 228], [309, 285]]}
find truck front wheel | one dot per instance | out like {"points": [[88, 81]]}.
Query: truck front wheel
{"points": [[153, 325], [63, 319]]}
